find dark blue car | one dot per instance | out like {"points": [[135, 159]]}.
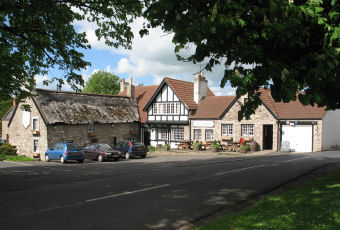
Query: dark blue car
{"points": [[65, 152], [130, 149]]}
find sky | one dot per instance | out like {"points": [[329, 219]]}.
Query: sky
{"points": [[150, 60]]}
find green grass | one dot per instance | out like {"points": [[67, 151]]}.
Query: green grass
{"points": [[15, 158], [315, 205]]}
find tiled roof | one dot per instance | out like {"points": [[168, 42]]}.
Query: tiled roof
{"points": [[212, 107], [81, 108], [9, 114], [185, 91], [143, 95], [292, 109]]}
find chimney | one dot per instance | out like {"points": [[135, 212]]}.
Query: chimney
{"points": [[130, 92], [123, 85], [200, 87]]}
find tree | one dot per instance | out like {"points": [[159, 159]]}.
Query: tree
{"points": [[4, 108], [102, 82], [39, 34], [288, 46]]}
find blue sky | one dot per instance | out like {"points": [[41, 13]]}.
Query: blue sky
{"points": [[150, 60]]}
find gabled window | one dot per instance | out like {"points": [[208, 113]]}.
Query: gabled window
{"points": [[227, 130], [247, 130], [166, 108]]}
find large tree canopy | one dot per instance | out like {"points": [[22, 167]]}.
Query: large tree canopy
{"points": [[39, 34], [103, 83], [289, 46]]}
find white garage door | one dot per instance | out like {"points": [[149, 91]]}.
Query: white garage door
{"points": [[299, 137]]}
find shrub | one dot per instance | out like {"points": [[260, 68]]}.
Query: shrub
{"points": [[166, 146], [197, 145], [7, 149], [215, 144], [245, 146], [151, 148]]}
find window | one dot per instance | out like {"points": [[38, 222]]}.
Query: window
{"points": [[166, 108], [35, 145], [209, 135], [162, 134], [197, 134], [35, 124], [177, 134], [154, 108], [227, 130], [91, 128], [247, 130]]}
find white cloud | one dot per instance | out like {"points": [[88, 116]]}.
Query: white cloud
{"points": [[153, 56]]}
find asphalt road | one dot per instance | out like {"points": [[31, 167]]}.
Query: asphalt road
{"points": [[152, 193]]}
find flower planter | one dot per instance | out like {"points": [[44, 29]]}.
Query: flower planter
{"points": [[214, 149], [243, 150], [253, 146], [197, 148]]}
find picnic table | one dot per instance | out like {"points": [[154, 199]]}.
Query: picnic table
{"points": [[232, 146], [184, 145]]}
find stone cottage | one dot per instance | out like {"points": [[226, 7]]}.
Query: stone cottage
{"points": [[60, 116]]}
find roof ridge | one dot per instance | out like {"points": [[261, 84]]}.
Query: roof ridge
{"points": [[177, 80], [77, 93]]}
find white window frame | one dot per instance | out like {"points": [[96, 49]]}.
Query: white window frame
{"points": [[197, 134], [227, 130], [177, 134], [166, 108], [162, 134], [210, 136], [35, 128], [247, 130], [33, 146]]}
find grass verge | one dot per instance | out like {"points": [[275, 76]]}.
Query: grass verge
{"points": [[15, 158], [314, 205]]}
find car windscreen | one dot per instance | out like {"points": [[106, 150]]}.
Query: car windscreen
{"points": [[73, 147], [104, 146]]}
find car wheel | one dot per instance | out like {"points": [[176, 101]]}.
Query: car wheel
{"points": [[127, 156], [47, 159], [100, 158], [62, 160], [116, 159], [143, 156], [81, 161]]}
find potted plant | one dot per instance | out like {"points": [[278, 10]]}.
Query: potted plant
{"points": [[244, 148], [215, 146], [197, 145], [166, 146]]}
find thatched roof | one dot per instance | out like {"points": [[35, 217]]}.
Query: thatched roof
{"points": [[61, 107]]}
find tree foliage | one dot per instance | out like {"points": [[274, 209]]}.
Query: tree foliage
{"points": [[288, 46], [39, 34], [4, 108], [102, 82]]}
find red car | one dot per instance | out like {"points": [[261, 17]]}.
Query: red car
{"points": [[100, 152]]}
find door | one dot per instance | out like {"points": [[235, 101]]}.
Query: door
{"points": [[298, 138], [146, 138], [267, 137]]}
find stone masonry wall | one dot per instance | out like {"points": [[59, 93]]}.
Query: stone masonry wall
{"points": [[23, 137], [261, 117], [80, 135]]}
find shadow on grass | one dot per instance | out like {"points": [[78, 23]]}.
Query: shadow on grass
{"points": [[315, 205]]}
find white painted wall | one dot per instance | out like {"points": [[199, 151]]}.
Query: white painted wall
{"points": [[331, 130]]}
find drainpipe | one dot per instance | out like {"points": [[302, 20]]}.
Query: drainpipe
{"points": [[278, 144]]}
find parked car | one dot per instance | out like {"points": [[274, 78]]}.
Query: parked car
{"points": [[100, 152], [129, 149], [65, 152]]}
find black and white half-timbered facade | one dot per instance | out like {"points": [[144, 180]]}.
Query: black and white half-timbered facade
{"points": [[167, 115]]}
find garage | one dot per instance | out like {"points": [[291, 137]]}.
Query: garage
{"points": [[297, 138]]}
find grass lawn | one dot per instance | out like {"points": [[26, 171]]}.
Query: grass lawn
{"points": [[15, 158], [315, 205]]}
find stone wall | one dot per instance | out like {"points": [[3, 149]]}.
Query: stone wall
{"points": [[79, 134], [261, 117], [23, 137]]}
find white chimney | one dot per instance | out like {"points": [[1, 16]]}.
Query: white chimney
{"points": [[200, 87], [123, 85], [130, 92]]}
